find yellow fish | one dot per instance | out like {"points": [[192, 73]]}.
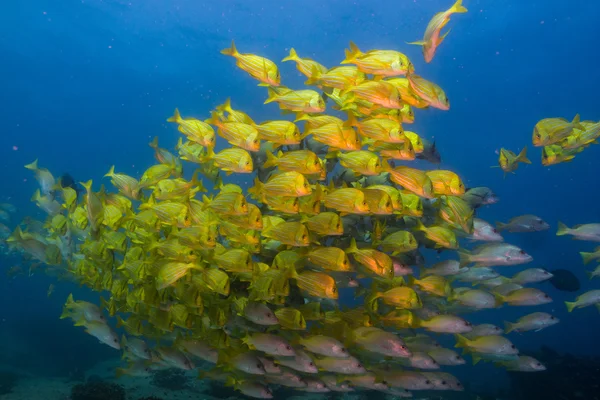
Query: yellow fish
{"points": [[555, 154], [429, 91], [326, 223], [552, 130], [413, 180], [379, 62], [509, 161], [337, 77], [337, 136], [432, 39], [231, 160], [307, 101], [446, 183], [234, 115], [279, 132], [347, 201], [259, 68], [377, 92], [290, 184], [307, 66], [361, 161], [302, 161], [237, 133], [195, 130]]}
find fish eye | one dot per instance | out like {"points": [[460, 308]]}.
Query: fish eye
{"points": [[546, 296], [495, 230], [288, 347], [512, 346], [259, 366], [538, 364], [343, 350], [334, 290], [115, 340], [522, 252], [359, 365], [268, 315], [311, 364], [428, 382], [444, 383], [457, 357], [552, 317]]}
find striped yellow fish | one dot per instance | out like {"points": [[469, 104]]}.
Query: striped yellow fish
{"points": [[237, 133], [170, 273], [307, 101], [361, 161], [302, 161], [407, 94], [381, 129], [337, 136], [446, 183], [279, 132], [231, 160], [196, 131], [372, 261], [306, 66], [413, 180], [552, 130], [291, 233], [379, 62], [259, 68], [348, 201], [429, 91], [338, 77], [316, 284], [234, 115], [229, 203], [330, 258], [326, 223], [377, 92], [394, 194], [126, 184], [432, 39], [379, 201], [288, 205], [289, 183]]}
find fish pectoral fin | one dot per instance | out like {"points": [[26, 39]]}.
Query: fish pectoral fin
{"points": [[418, 43]]}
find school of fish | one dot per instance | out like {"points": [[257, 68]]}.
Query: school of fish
{"points": [[243, 283]]}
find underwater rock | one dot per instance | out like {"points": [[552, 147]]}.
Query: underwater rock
{"points": [[97, 391], [172, 379]]}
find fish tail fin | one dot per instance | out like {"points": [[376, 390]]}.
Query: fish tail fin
{"points": [[214, 118], [418, 43], [271, 160], [590, 274], [154, 143], [257, 190], [498, 300], [351, 53], [500, 226], [353, 247], [32, 166], [570, 305], [586, 257], [272, 96], [292, 57], [458, 7], [315, 75], [225, 106], [120, 322], [123, 342], [562, 229], [176, 117], [476, 358], [508, 327], [111, 172], [577, 124], [231, 51], [522, 157], [461, 342]]}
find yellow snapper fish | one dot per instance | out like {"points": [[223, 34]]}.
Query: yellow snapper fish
{"points": [[237, 133], [446, 183], [307, 101], [337, 77], [378, 62], [432, 39], [509, 161], [231, 160], [195, 130], [582, 138], [234, 115], [555, 154], [552, 130], [381, 93], [259, 68], [337, 136], [279, 132], [302, 161], [307, 66], [430, 92], [44, 178]]}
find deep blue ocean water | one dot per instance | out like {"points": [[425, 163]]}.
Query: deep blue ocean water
{"points": [[87, 84]]}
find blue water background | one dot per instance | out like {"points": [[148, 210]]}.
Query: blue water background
{"points": [[87, 84]]}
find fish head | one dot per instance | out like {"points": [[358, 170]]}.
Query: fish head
{"points": [[539, 136]]}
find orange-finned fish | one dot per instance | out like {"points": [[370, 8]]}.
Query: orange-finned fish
{"points": [[432, 39], [259, 68]]}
